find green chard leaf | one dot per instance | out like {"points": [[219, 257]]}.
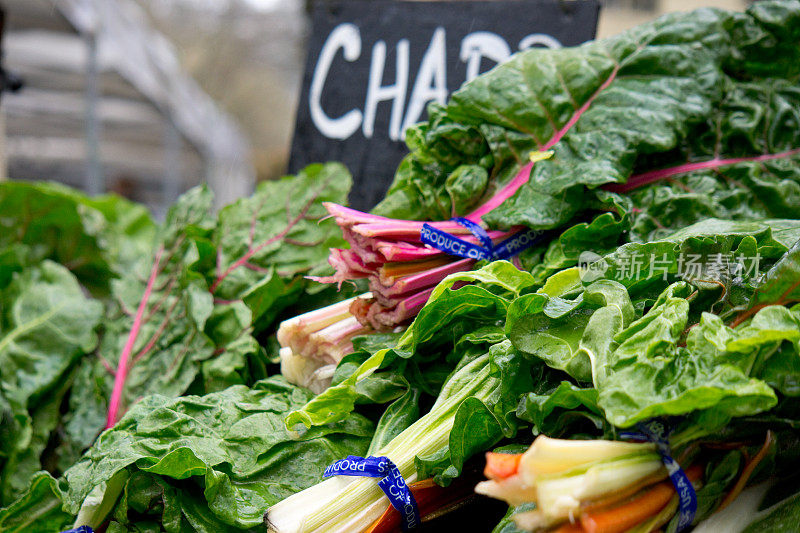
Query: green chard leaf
{"points": [[150, 496], [649, 374], [723, 259], [677, 358], [693, 115], [46, 325], [265, 242], [230, 445], [569, 333], [781, 517], [483, 418], [560, 408], [95, 238], [264, 245], [599, 236], [154, 339], [718, 477], [781, 284], [507, 524], [397, 417], [129, 231], [39, 509], [740, 164]]}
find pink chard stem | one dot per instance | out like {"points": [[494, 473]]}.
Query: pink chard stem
{"points": [[124, 359], [646, 178]]}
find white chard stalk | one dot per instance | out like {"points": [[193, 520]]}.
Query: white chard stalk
{"points": [[312, 344], [351, 504], [562, 475]]}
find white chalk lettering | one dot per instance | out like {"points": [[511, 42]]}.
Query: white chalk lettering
{"points": [[431, 82], [347, 37], [482, 44], [540, 40], [377, 93]]}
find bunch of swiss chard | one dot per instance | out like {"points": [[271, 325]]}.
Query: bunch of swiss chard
{"points": [[589, 353], [711, 353], [101, 307]]}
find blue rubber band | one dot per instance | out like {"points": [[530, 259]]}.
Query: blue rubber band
{"points": [[452, 245], [476, 230], [656, 432], [391, 483]]}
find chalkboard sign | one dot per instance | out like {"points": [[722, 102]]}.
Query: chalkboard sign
{"points": [[373, 66]]}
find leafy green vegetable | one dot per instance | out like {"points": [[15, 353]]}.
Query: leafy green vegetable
{"points": [[568, 334], [600, 236], [39, 507], [676, 358], [483, 418], [265, 240], [723, 105], [230, 447], [473, 411], [782, 283], [507, 524], [690, 252], [397, 417], [46, 325], [154, 339], [183, 318], [650, 375], [94, 238], [560, 408], [129, 230], [719, 475], [782, 517], [678, 138]]}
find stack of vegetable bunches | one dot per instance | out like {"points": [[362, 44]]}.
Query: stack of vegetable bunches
{"points": [[666, 164], [621, 140], [578, 358]]}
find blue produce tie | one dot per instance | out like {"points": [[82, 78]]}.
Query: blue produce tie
{"points": [[81, 529], [452, 245], [391, 483], [656, 432]]}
